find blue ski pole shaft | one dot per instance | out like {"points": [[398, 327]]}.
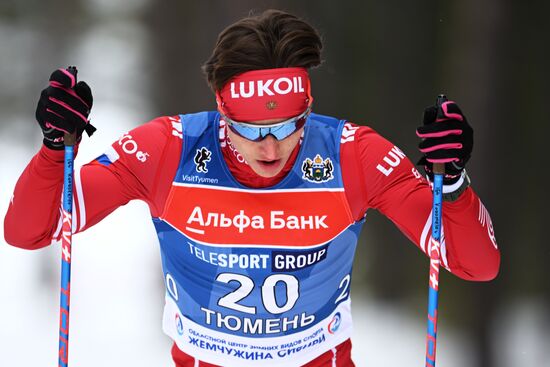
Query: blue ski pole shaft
{"points": [[66, 244], [435, 256]]}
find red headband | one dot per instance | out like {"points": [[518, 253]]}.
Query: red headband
{"points": [[265, 94]]}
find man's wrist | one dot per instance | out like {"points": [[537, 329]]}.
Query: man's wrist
{"points": [[54, 155], [453, 192]]}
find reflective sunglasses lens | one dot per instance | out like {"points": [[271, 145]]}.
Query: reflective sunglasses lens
{"points": [[280, 132], [284, 131], [246, 132]]}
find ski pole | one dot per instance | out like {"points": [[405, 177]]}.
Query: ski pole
{"points": [[435, 255], [66, 244]]}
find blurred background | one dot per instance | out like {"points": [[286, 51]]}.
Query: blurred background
{"points": [[384, 62]]}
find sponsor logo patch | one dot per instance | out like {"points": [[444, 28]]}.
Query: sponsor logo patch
{"points": [[179, 325], [230, 217], [334, 324]]}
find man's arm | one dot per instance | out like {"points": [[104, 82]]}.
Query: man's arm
{"points": [[110, 181], [33, 212], [392, 185]]}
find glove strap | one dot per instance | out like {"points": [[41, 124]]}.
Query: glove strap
{"points": [[89, 129]]}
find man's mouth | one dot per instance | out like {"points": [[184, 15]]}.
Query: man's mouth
{"points": [[269, 163]]}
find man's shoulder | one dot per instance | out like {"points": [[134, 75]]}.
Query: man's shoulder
{"points": [[163, 122], [173, 125], [359, 134]]}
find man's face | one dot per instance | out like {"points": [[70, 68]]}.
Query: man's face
{"points": [[266, 157]]}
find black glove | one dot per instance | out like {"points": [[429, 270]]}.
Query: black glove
{"points": [[64, 107], [446, 138]]}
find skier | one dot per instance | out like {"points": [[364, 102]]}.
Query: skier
{"points": [[258, 205]]}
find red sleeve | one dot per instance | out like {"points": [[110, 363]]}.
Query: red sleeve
{"points": [[33, 212], [389, 183], [140, 165]]}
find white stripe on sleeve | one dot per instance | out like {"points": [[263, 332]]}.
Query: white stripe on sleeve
{"points": [[425, 240], [79, 199]]}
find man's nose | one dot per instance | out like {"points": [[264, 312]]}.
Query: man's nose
{"points": [[269, 147]]}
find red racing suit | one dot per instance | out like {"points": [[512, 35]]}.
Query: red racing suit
{"points": [[142, 164]]}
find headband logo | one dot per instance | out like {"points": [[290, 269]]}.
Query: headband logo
{"points": [[271, 105], [268, 87]]}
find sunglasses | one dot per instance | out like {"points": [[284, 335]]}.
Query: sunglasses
{"points": [[279, 131]]}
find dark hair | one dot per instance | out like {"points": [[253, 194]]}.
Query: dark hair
{"points": [[272, 39]]}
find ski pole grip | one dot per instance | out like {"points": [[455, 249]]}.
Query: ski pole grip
{"points": [[70, 139], [439, 168]]}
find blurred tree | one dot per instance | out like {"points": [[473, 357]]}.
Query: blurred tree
{"points": [[470, 68], [183, 36]]}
